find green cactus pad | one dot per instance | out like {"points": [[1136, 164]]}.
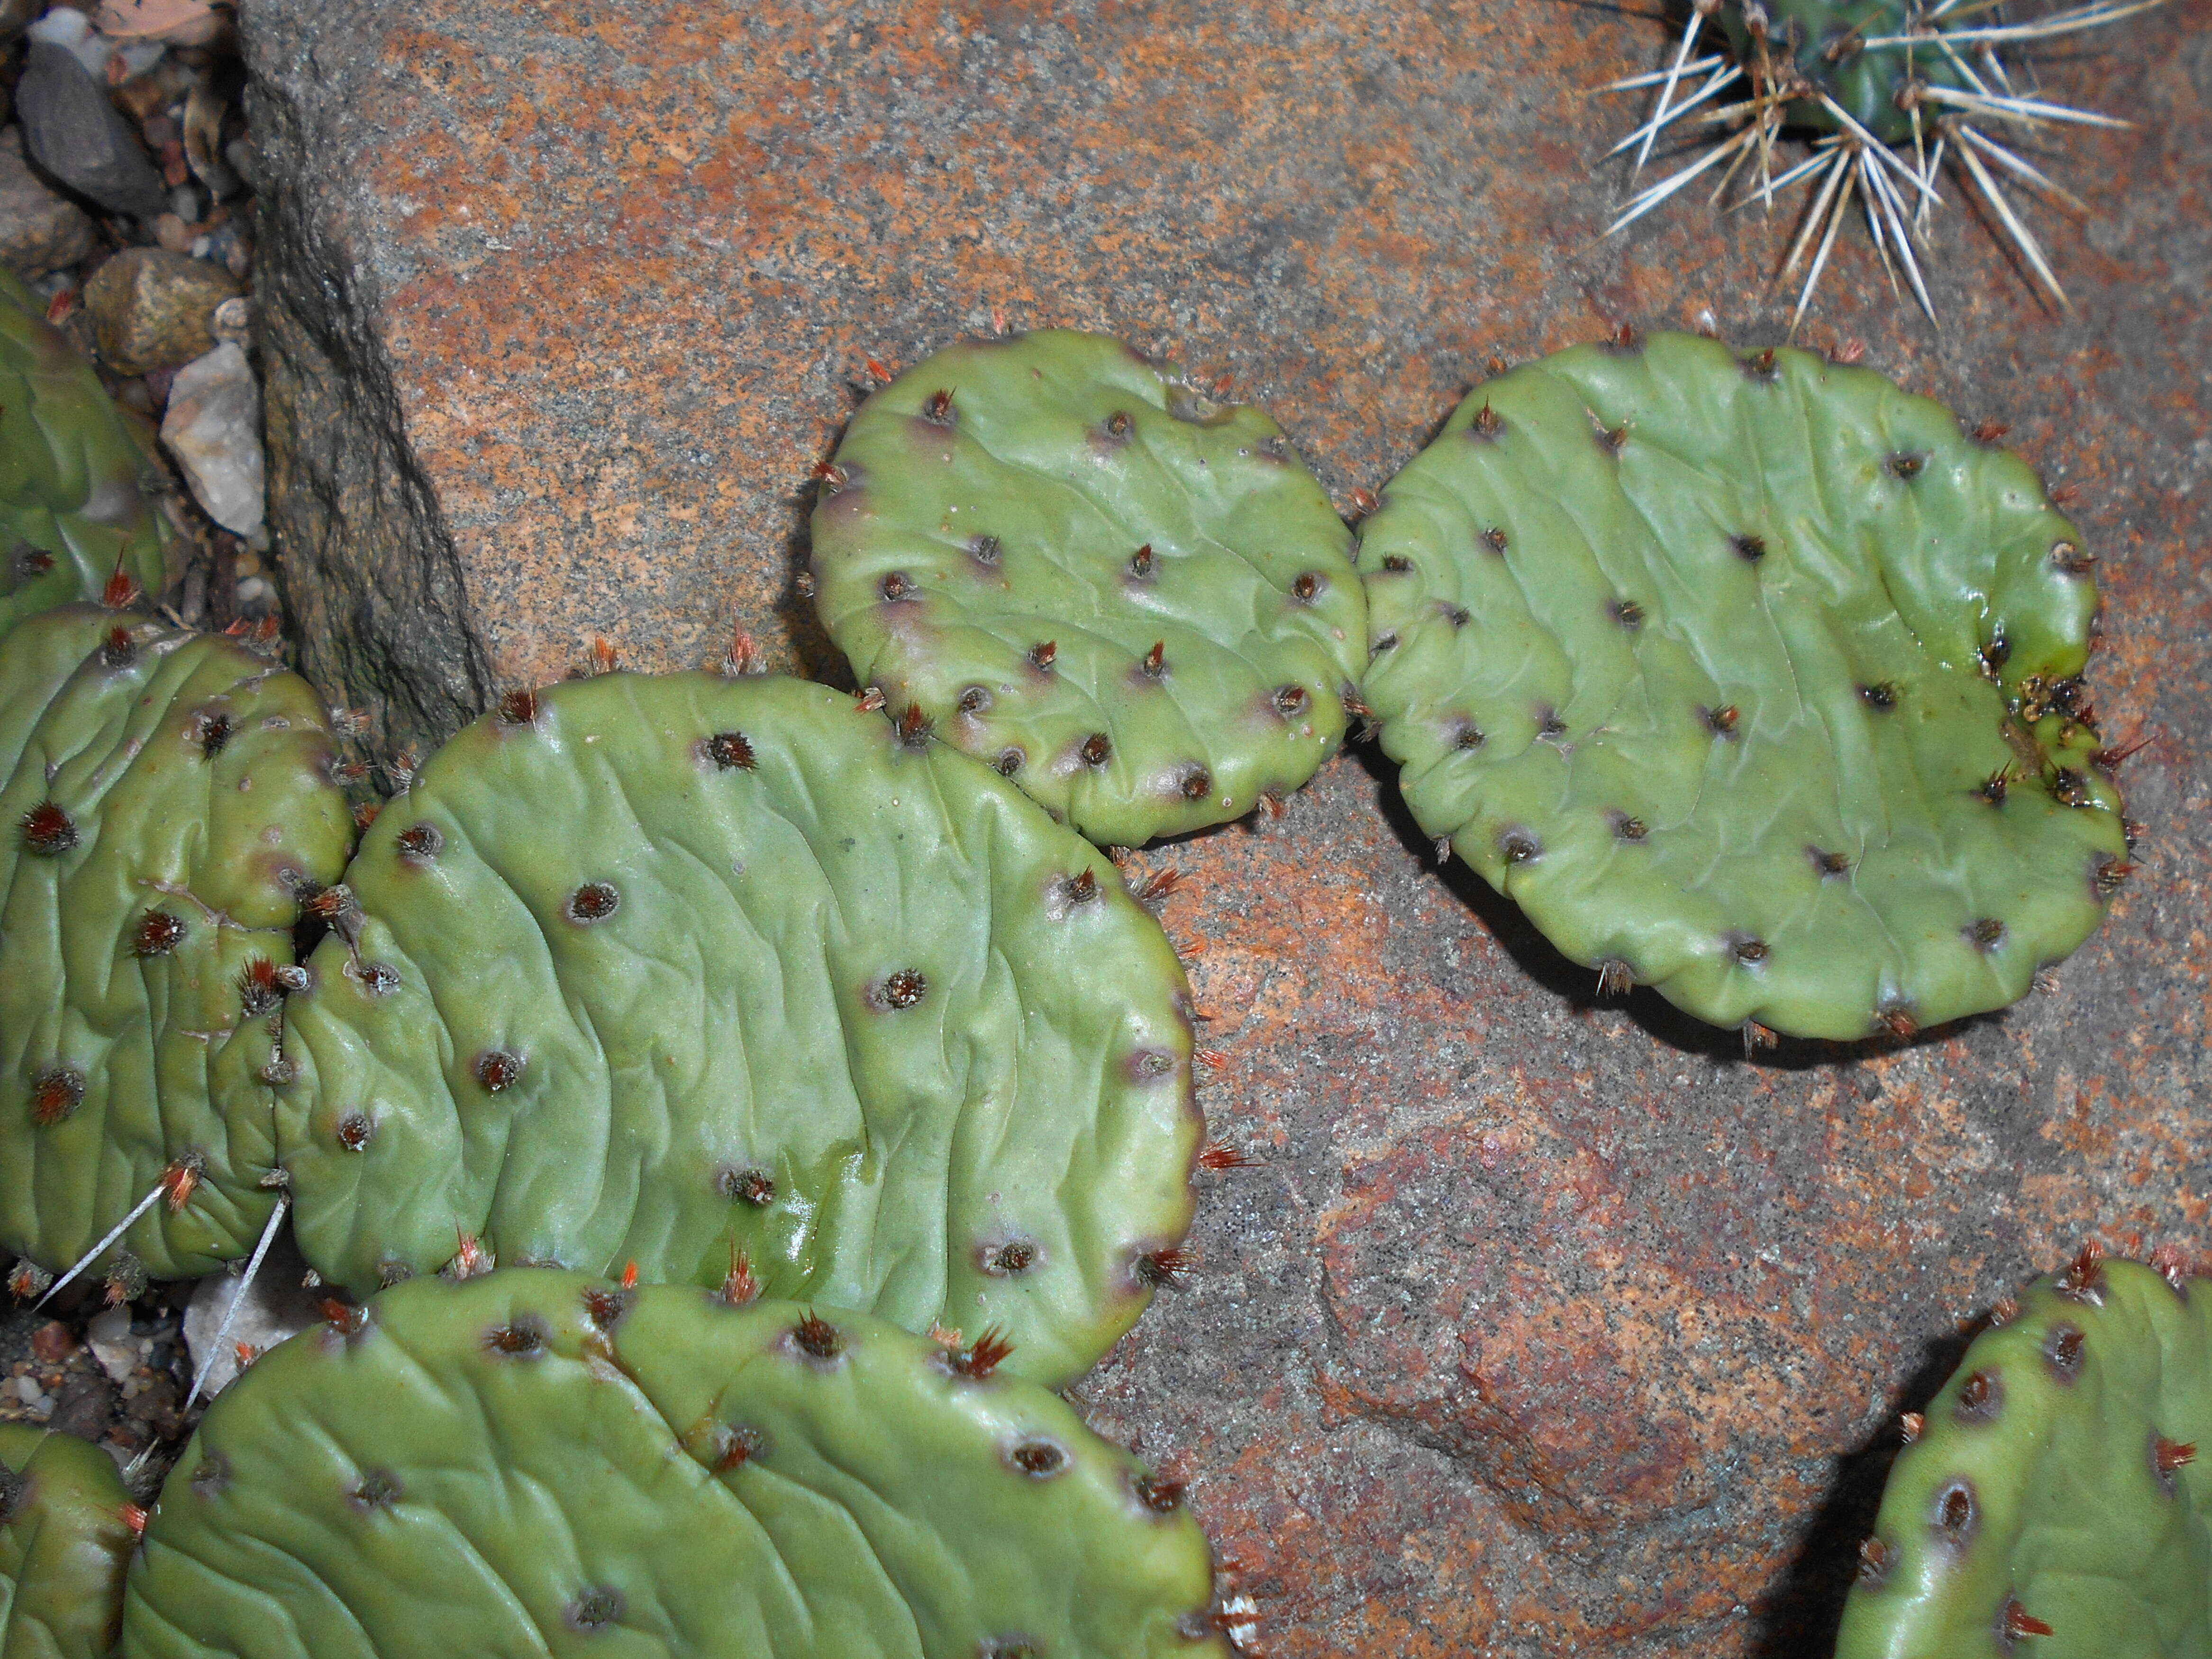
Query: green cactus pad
{"points": [[77, 478], [662, 969], [165, 799], [1754, 679], [1134, 601], [64, 1542], [2055, 1505], [536, 1462]]}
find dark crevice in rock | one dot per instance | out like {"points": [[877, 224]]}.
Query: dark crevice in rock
{"points": [[368, 568], [1802, 1610]]}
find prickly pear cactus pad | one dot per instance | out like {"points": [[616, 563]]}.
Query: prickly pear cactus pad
{"points": [[2055, 1492], [65, 1537], [1133, 600], [687, 971], [76, 483], [165, 804], [1752, 679], [537, 1461]]}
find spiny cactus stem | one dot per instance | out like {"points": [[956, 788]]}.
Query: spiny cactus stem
{"points": [[1880, 191], [2034, 109], [1637, 83], [1700, 12], [1656, 193], [1852, 161], [1836, 189], [237, 1296], [1718, 72], [160, 1191], [2019, 167], [2091, 17], [2022, 237]]}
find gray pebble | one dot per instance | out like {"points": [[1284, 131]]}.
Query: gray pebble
{"points": [[82, 139]]}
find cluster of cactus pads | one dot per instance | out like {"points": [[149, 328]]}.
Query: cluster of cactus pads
{"points": [[1750, 677], [538, 1461], [78, 480], [1132, 599], [2052, 1490]]}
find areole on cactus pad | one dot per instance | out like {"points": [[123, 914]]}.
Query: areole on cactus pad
{"points": [[1132, 598], [727, 977], [2052, 1490], [1752, 678], [67, 1528], [539, 1462], [166, 804]]}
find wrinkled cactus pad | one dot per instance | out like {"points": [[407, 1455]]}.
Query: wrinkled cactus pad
{"points": [[1752, 678], [165, 803], [1134, 601], [537, 1461], [65, 1538], [77, 480], [2054, 1503], [680, 970]]}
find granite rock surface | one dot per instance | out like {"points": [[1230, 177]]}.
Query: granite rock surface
{"points": [[1547, 1324]]}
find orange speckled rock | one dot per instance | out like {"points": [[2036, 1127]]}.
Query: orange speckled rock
{"points": [[1548, 1325]]}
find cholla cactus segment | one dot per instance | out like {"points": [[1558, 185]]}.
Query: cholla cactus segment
{"points": [[539, 1460], [2053, 1504], [67, 1528], [1132, 599], [1752, 678], [675, 970], [1890, 90], [78, 478], [1821, 50], [165, 804]]}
